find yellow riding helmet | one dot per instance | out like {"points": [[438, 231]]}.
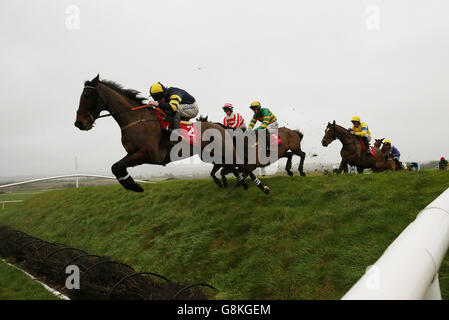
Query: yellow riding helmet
{"points": [[157, 91], [386, 141], [255, 105], [355, 118]]}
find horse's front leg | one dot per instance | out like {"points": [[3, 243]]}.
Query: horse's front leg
{"points": [[119, 169], [257, 182], [223, 174], [240, 178], [214, 177], [343, 167]]}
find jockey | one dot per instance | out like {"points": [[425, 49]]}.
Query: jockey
{"points": [[233, 119], [175, 102], [394, 152], [269, 121], [264, 115], [443, 165], [361, 129]]}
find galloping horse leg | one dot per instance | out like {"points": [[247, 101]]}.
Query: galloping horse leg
{"points": [[343, 167], [257, 182], [360, 170], [122, 175], [288, 165], [213, 172], [240, 178], [301, 163], [223, 174]]}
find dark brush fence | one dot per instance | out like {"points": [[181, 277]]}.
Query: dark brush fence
{"points": [[100, 277]]}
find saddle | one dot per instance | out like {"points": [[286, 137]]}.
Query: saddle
{"points": [[187, 130], [364, 147]]}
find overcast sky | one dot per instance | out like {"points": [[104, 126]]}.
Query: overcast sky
{"points": [[310, 61]]}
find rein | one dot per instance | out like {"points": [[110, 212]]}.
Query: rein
{"points": [[145, 106]]}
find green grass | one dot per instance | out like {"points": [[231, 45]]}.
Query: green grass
{"points": [[311, 238], [15, 285], [18, 195]]}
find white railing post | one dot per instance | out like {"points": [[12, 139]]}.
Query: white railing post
{"points": [[408, 269]]}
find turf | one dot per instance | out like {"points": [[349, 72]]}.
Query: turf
{"points": [[311, 238], [15, 285]]}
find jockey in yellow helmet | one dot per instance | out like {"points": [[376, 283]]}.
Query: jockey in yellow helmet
{"points": [[361, 129], [176, 103]]}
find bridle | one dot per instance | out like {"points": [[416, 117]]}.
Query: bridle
{"points": [[334, 137], [111, 114]]}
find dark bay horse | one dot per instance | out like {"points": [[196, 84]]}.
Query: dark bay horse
{"points": [[351, 152], [393, 164], [142, 135], [291, 145]]}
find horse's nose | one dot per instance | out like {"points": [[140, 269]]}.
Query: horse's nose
{"points": [[324, 143], [79, 124]]}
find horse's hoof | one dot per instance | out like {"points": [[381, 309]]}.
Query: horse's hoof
{"points": [[136, 188], [290, 173], [302, 173], [266, 189], [245, 186]]}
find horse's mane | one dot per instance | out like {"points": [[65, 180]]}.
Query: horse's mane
{"points": [[129, 93]]}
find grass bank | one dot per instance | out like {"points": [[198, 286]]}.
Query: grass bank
{"points": [[311, 238], [15, 285]]}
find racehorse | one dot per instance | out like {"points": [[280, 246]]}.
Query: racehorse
{"points": [[378, 143], [391, 163], [394, 165], [352, 152], [290, 145], [143, 136]]}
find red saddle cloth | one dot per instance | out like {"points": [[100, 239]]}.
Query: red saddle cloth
{"points": [[188, 132], [275, 139], [364, 147]]}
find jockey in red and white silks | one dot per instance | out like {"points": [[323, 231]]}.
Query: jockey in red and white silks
{"points": [[233, 119]]}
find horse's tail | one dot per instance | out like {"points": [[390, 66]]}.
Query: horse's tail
{"points": [[299, 133]]}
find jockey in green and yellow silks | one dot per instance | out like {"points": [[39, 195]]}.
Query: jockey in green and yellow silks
{"points": [[264, 115]]}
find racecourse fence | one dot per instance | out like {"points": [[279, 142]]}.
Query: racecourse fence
{"points": [[76, 176], [101, 278], [409, 267]]}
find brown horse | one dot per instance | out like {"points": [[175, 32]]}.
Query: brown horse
{"points": [[378, 143], [291, 145], [393, 164], [142, 135], [352, 152]]}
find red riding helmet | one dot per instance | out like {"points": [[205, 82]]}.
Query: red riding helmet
{"points": [[228, 107], [442, 159]]}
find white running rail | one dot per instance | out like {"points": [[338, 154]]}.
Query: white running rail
{"points": [[66, 176], [408, 269]]}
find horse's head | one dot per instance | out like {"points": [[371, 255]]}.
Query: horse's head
{"points": [[90, 105], [378, 143], [329, 134]]}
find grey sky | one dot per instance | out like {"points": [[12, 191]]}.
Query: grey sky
{"points": [[309, 61]]}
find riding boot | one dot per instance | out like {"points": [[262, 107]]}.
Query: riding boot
{"points": [[176, 120], [368, 149]]}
